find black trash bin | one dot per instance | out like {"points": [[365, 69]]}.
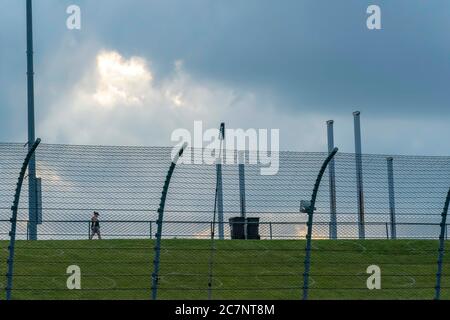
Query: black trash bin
{"points": [[253, 228], [238, 224], [237, 227]]}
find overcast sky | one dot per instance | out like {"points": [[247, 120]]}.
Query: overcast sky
{"points": [[137, 70]]}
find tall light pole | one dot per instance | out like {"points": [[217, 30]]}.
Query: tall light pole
{"points": [[32, 199]]}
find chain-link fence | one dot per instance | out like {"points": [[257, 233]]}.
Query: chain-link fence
{"points": [[392, 222]]}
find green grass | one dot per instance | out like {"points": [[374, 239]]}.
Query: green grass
{"points": [[121, 269]]}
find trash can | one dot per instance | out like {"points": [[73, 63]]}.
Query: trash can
{"points": [[238, 224], [253, 228], [237, 227]]}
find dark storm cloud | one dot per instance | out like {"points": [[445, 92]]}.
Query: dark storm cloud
{"points": [[312, 53]]}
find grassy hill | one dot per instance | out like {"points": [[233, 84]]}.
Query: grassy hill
{"points": [[265, 269]]}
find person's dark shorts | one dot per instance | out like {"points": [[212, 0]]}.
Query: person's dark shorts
{"points": [[95, 229]]}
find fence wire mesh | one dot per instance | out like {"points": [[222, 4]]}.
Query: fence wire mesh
{"points": [[124, 185]]}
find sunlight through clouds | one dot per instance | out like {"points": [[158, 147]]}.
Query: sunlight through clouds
{"points": [[119, 100], [121, 81], [117, 97]]}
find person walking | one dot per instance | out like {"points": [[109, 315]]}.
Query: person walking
{"points": [[95, 226]]}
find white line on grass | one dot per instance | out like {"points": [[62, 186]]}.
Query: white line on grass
{"points": [[410, 247], [411, 283], [364, 249]]}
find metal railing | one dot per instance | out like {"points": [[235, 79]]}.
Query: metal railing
{"points": [[268, 230]]}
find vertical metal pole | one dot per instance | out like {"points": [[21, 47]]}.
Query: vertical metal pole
{"points": [[310, 211], [32, 203], [359, 175], [390, 169], [159, 223], [308, 252], [220, 200], [437, 295], [211, 261], [331, 171], [242, 188], [14, 208], [219, 186], [270, 228], [218, 207]]}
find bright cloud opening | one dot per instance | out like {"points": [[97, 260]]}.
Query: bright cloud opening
{"points": [[121, 81], [117, 100]]}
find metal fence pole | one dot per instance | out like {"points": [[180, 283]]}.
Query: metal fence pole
{"points": [[359, 174], [32, 200], [241, 165], [218, 208], [211, 260], [159, 223], [331, 172], [220, 200], [390, 170], [13, 220], [443, 223], [270, 230], [220, 183], [310, 222]]}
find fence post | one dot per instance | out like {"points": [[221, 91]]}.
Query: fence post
{"points": [[241, 158], [443, 223], [218, 208], [13, 220], [331, 173], [219, 183], [159, 222], [219, 195], [211, 260], [270, 229], [390, 170], [359, 175], [310, 222], [387, 231]]}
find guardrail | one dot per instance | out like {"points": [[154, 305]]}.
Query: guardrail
{"points": [[268, 230]]}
